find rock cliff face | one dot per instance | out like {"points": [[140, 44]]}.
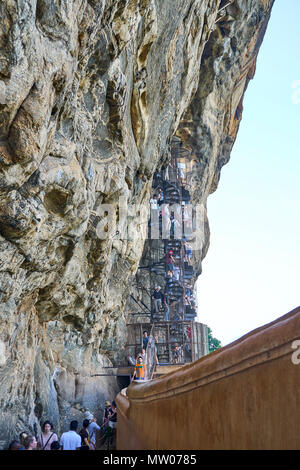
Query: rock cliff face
{"points": [[91, 92]]}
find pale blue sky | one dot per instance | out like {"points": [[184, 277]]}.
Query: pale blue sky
{"points": [[251, 272]]}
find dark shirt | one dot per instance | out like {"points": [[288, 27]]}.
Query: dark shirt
{"points": [[84, 435], [168, 259], [113, 416], [145, 342], [158, 294]]}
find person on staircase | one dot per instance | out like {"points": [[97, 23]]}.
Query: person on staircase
{"points": [[177, 353], [160, 197], [181, 171], [166, 221], [169, 260], [139, 370], [176, 273], [167, 306], [145, 340], [188, 253], [143, 354], [154, 202], [158, 298]]}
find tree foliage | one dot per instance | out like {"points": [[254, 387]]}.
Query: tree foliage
{"points": [[213, 343]]}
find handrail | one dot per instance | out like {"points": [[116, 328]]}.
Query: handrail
{"points": [[137, 302], [243, 396]]}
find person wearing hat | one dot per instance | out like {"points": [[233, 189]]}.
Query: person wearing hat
{"points": [[106, 411], [92, 428], [169, 261]]}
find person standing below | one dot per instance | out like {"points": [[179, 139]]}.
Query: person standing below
{"points": [[106, 411], [92, 428], [112, 416], [158, 298], [71, 440], [47, 436], [22, 436], [84, 434], [30, 443], [112, 423]]}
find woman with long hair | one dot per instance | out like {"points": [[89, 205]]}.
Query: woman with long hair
{"points": [[47, 436]]}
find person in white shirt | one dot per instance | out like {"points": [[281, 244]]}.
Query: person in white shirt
{"points": [[71, 440], [154, 202]]}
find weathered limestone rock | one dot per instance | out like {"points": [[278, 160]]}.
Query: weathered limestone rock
{"points": [[91, 93]]}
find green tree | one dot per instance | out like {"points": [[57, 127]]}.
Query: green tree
{"points": [[213, 343]]}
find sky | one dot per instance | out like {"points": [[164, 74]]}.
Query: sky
{"points": [[251, 272]]}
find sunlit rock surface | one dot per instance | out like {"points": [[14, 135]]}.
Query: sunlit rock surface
{"points": [[91, 93]]}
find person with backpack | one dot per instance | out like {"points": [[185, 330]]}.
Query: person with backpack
{"points": [[46, 437]]}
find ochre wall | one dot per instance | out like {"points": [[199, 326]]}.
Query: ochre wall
{"points": [[243, 396]]}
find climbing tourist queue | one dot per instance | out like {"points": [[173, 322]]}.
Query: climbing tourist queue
{"points": [[89, 436]]}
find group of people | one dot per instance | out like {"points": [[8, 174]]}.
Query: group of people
{"points": [[85, 439]]}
